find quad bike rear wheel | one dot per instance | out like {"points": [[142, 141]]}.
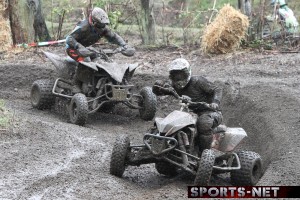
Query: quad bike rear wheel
{"points": [[205, 167], [41, 94], [118, 156], [166, 168], [251, 169], [148, 104], [78, 109]]}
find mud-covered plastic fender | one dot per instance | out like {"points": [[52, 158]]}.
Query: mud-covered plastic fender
{"points": [[148, 104]]}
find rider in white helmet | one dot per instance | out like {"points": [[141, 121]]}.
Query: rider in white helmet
{"points": [[279, 2], [286, 15], [86, 33], [199, 89]]}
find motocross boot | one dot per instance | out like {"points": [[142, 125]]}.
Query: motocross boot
{"points": [[204, 142]]}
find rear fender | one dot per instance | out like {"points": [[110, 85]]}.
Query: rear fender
{"points": [[229, 140], [64, 67]]}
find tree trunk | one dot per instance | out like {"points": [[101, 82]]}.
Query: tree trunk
{"points": [[263, 5], [186, 5], [18, 33], [147, 22], [5, 38], [27, 22], [241, 5], [39, 25]]}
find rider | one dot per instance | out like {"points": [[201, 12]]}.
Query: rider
{"points": [[86, 33], [287, 15], [199, 89]]}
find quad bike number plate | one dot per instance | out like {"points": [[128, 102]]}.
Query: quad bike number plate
{"points": [[119, 94]]}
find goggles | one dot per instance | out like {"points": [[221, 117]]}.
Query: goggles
{"points": [[98, 25]]}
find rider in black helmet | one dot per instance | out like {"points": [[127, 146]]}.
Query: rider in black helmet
{"points": [[198, 89], [86, 33]]}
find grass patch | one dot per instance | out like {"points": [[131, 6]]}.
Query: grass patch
{"points": [[4, 116]]}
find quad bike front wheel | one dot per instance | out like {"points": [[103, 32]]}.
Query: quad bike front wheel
{"points": [[205, 167], [79, 109], [251, 169], [148, 104], [166, 168], [118, 156]]}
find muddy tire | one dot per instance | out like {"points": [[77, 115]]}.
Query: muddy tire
{"points": [[205, 168], [148, 104], [41, 94], [166, 168], [118, 156], [78, 110], [251, 169]]}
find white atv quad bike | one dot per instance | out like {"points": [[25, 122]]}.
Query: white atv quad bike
{"points": [[172, 144], [104, 84]]}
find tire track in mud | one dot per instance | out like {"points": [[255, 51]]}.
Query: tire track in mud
{"points": [[50, 155]]}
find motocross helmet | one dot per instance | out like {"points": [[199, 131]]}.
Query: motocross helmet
{"points": [[180, 73], [280, 2], [99, 18]]}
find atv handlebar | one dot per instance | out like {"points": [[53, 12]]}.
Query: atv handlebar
{"points": [[106, 53], [185, 101], [128, 51]]}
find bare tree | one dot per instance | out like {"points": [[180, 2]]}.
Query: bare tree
{"points": [[245, 7], [147, 22], [241, 5], [27, 22], [39, 25]]}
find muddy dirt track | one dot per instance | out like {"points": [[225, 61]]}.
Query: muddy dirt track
{"points": [[45, 157]]}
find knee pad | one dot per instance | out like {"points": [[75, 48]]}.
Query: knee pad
{"points": [[204, 123]]}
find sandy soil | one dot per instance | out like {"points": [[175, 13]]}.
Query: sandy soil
{"points": [[45, 157]]}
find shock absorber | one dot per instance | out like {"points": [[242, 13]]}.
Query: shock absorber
{"points": [[182, 148]]}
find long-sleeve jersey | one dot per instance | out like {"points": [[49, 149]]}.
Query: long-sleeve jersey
{"points": [[199, 89], [87, 35]]}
